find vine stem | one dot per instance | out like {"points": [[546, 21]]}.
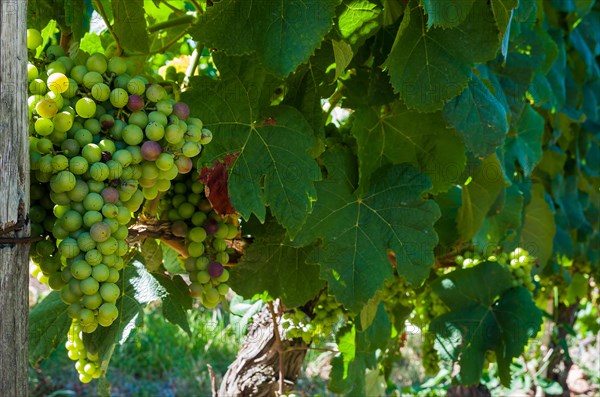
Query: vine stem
{"points": [[102, 13], [194, 61], [333, 101], [278, 346], [171, 23], [166, 46]]}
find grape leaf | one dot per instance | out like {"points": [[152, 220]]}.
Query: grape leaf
{"points": [[283, 34], [273, 167], [48, 326], [357, 229], [503, 13], [271, 263], [526, 146], [426, 66], [357, 349], [538, 230], [493, 316], [446, 13], [171, 260], [400, 135], [343, 55], [358, 20], [479, 117], [130, 24], [152, 253], [91, 43], [479, 195], [177, 300], [139, 288]]}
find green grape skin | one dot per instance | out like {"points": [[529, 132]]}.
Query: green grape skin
{"points": [[117, 65], [85, 107], [136, 86], [118, 98], [97, 63], [133, 135], [34, 39], [91, 78], [101, 92]]}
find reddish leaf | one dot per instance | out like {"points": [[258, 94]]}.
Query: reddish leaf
{"points": [[215, 179]]}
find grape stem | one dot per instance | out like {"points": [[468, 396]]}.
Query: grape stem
{"points": [[278, 346], [194, 61], [185, 19], [102, 13], [213, 380]]}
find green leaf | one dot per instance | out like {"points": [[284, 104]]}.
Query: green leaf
{"points": [[398, 135], [446, 13], [357, 229], [177, 300], [358, 20], [490, 317], [282, 34], [152, 254], [171, 260], [273, 167], [74, 18], [91, 43], [139, 288], [130, 24], [271, 263], [308, 84], [538, 230], [343, 55], [242, 311], [503, 13], [357, 355], [479, 117], [426, 66], [479, 195], [48, 326], [526, 146]]}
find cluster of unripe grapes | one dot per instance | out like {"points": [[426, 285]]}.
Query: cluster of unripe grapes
{"points": [[86, 363], [326, 314], [101, 142], [397, 292], [206, 234], [519, 262], [427, 307]]}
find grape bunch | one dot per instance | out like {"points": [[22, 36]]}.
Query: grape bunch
{"points": [[429, 307], [519, 262], [102, 142], [326, 314], [87, 364], [397, 292], [205, 233]]}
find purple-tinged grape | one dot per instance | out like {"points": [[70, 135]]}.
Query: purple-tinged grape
{"points": [[211, 226], [107, 121], [110, 195], [100, 232], [135, 103], [179, 228], [184, 164], [151, 150], [106, 156], [181, 110], [215, 269]]}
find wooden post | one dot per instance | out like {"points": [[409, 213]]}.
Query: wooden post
{"points": [[14, 198]]}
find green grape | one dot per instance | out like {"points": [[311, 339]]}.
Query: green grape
{"points": [[34, 39], [101, 92], [118, 97], [117, 65], [97, 63], [85, 107], [58, 82]]}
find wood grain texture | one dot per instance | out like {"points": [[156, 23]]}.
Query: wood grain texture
{"points": [[14, 198], [255, 371]]}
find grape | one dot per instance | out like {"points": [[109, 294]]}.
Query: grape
{"points": [[215, 269], [133, 135], [151, 150], [97, 62], [34, 39], [136, 86], [63, 122], [85, 107], [117, 65], [119, 98], [155, 93], [165, 161], [100, 232], [58, 82], [181, 110], [101, 92], [55, 67], [46, 108], [44, 126], [32, 72], [135, 103], [184, 164]]}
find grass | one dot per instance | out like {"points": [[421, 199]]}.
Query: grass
{"points": [[158, 359]]}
